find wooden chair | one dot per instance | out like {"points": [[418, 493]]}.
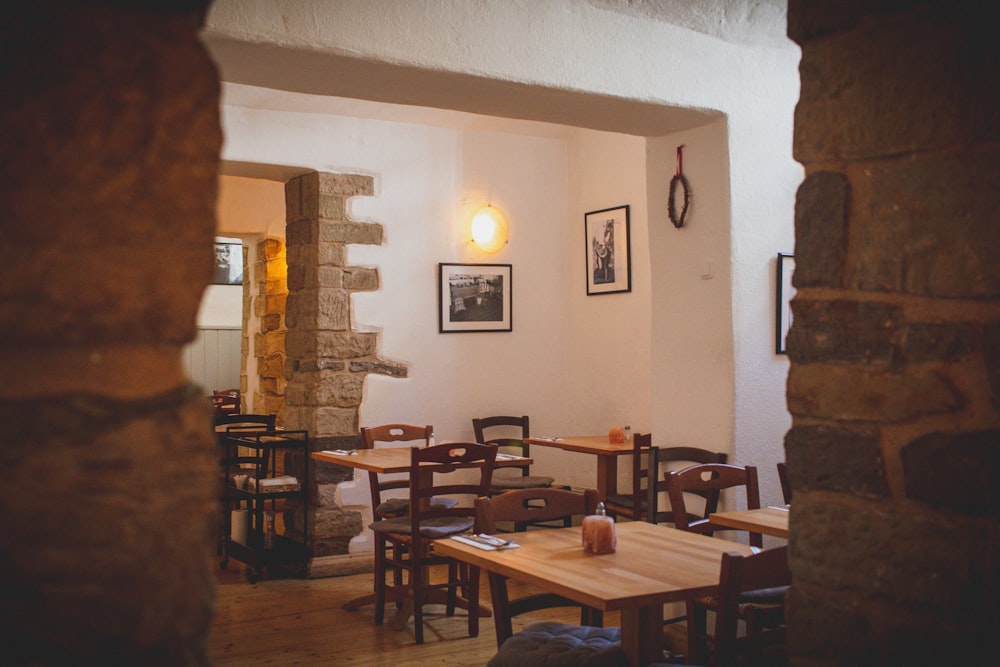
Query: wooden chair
{"points": [[432, 471], [388, 506], [786, 486], [708, 477], [742, 579], [671, 457], [523, 506], [632, 505], [226, 402], [522, 479]]}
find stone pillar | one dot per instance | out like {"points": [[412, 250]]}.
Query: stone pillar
{"points": [[894, 386], [327, 360], [271, 277], [110, 143]]}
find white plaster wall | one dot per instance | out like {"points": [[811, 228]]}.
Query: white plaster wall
{"points": [[572, 45]]}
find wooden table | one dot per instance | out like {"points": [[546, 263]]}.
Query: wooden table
{"points": [[653, 565], [767, 520], [607, 454], [386, 460]]}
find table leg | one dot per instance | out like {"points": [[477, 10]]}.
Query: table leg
{"points": [[642, 634], [607, 476]]}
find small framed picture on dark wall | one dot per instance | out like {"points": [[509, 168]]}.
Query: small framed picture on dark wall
{"points": [[609, 256], [228, 264]]}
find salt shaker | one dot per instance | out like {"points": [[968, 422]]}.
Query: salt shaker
{"points": [[628, 433], [598, 530]]}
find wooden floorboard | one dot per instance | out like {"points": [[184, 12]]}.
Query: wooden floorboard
{"points": [[294, 621]]}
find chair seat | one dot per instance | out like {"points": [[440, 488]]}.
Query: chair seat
{"points": [[623, 499], [561, 645], [396, 506], [521, 482], [431, 528]]}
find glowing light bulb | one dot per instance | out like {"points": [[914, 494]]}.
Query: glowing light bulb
{"points": [[489, 229]]}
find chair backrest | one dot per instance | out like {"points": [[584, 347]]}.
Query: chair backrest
{"points": [[710, 477], [738, 573], [657, 484], [504, 424], [786, 486], [247, 422], [526, 505], [640, 472], [429, 464], [386, 433], [539, 504], [226, 402]]}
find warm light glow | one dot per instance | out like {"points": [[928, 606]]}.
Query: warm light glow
{"points": [[489, 229]]}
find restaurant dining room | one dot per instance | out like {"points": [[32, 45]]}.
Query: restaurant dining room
{"points": [[499, 333]]}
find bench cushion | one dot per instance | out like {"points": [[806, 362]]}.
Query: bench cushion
{"points": [[551, 644]]}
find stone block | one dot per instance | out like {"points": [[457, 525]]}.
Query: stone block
{"points": [[274, 304], [301, 198], [821, 219], [273, 366], [347, 185], [904, 559], [360, 279], [843, 331], [859, 98], [340, 389], [335, 522], [379, 367], [270, 322], [955, 471], [272, 249], [869, 393], [826, 630], [329, 276], [335, 421], [318, 309], [368, 233], [932, 341], [345, 345], [274, 343], [831, 458], [332, 209], [902, 243], [303, 232], [297, 277]]}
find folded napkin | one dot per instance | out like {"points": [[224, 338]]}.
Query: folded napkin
{"points": [[485, 542]]}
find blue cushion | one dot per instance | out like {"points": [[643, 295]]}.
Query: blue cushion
{"points": [[550, 644]]}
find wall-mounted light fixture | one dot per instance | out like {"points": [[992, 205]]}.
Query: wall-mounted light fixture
{"points": [[489, 229]]}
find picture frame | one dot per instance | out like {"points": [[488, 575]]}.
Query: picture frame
{"points": [[609, 253], [474, 297], [228, 263], [783, 301]]}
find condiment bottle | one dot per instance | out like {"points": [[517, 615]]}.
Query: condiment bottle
{"points": [[598, 530]]}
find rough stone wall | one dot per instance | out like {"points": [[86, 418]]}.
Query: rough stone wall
{"points": [[894, 385], [110, 137], [271, 277], [328, 361]]}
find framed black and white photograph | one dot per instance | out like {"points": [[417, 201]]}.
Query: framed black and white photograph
{"points": [[609, 259], [228, 264], [786, 266], [474, 297]]}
